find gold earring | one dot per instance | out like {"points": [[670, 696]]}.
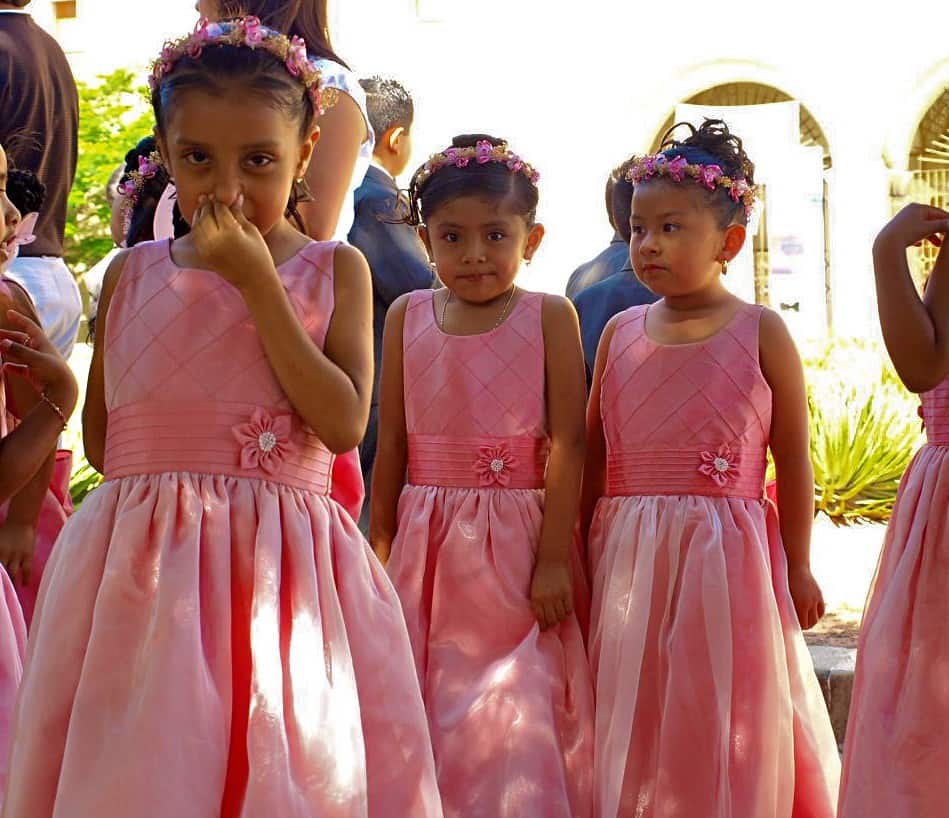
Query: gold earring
{"points": [[724, 266]]}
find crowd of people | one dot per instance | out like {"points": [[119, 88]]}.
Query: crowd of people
{"points": [[383, 534]]}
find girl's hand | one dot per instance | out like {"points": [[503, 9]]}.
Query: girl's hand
{"points": [[807, 596], [551, 593], [17, 542], [914, 224], [228, 244], [27, 352]]}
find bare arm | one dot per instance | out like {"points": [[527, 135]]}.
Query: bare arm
{"points": [[388, 475], [18, 532], [94, 414], [790, 445], [27, 353], [566, 395], [329, 388], [594, 472], [916, 331], [342, 132]]}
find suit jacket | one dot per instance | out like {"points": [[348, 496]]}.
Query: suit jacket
{"points": [[395, 253], [596, 305], [613, 259], [399, 264]]}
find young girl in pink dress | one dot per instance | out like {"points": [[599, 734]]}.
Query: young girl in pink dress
{"points": [[32, 520], [476, 493], [707, 703], [896, 752], [41, 384], [213, 636]]}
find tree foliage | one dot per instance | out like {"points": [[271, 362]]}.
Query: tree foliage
{"points": [[113, 116]]}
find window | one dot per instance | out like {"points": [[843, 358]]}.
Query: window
{"points": [[65, 9]]}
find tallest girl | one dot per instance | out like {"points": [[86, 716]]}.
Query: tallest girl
{"points": [[214, 637]]}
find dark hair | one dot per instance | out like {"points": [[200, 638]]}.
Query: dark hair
{"points": [[218, 68], [622, 199], [608, 194], [142, 217], [25, 191], [713, 143], [295, 18], [492, 179], [389, 105]]}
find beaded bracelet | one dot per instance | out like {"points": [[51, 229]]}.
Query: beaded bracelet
{"points": [[49, 402]]}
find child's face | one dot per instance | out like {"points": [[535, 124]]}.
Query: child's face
{"points": [[232, 146], [9, 215], [477, 244], [677, 245]]}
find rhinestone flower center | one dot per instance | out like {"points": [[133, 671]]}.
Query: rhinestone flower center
{"points": [[267, 441]]}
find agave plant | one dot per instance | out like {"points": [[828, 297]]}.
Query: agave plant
{"points": [[864, 430], [83, 480]]}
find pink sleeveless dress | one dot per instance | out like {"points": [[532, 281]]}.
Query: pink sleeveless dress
{"points": [[510, 707], [707, 701], [214, 636], [896, 753], [12, 634]]}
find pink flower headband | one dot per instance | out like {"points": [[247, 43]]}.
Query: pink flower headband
{"points": [[23, 235], [131, 189], [482, 153], [247, 32], [676, 169]]}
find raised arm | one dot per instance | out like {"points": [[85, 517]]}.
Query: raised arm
{"points": [[916, 331]]}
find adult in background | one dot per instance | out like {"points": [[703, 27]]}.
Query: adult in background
{"points": [[395, 253], [609, 261], [598, 303], [39, 124]]}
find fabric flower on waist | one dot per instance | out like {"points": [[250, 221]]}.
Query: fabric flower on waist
{"points": [[494, 465], [721, 467], [265, 441]]}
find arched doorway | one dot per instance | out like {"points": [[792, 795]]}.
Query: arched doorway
{"points": [[744, 94], [928, 167]]}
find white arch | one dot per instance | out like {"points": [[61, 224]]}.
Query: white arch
{"points": [[705, 76], [909, 112]]}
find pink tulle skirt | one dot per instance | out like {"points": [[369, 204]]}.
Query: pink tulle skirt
{"points": [[207, 645], [707, 702], [897, 747], [510, 707]]}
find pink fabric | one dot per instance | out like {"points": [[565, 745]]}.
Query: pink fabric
{"points": [[897, 751], [510, 707], [56, 508], [707, 702], [209, 641]]}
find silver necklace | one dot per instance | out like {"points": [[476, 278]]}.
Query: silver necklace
{"points": [[507, 304]]}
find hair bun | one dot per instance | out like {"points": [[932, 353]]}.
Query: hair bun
{"points": [[470, 140]]}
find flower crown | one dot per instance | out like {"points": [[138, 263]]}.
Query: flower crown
{"points": [[483, 152], [247, 32], [133, 185], [709, 176]]}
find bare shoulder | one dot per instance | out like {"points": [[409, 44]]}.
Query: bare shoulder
{"points": [[557, 309]]}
